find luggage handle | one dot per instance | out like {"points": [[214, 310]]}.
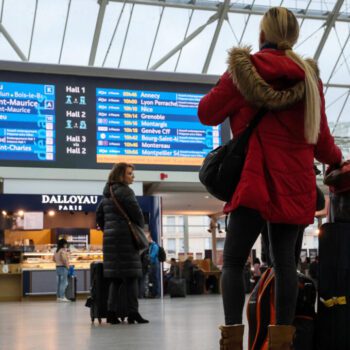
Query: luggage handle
{"points": [[334, 301]]}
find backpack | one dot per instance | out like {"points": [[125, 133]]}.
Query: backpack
{"points": [[261, 312], [161, 254]]}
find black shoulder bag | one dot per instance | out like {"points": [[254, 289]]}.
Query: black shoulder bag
{"points": [[222, 167], [138, 235]]}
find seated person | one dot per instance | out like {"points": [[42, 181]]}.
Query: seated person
{"points": [[194, 277], [173, 270], [187, 270], [212, 281]]}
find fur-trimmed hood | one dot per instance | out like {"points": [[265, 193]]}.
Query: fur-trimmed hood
{"points": [[258, 91]]}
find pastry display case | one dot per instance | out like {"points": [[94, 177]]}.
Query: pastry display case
{"points": [[39, 270], [42, 257]]}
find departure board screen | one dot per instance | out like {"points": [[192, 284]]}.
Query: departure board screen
{"points": [[65, 121], [27, 122]]}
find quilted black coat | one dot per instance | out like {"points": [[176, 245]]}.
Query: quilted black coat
{"points": [[120, 257]]}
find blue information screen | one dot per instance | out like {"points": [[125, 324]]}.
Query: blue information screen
{"points": [[82, 122], [27, 122], [153, 127]]}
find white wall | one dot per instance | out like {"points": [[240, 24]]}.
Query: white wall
{"points": [[46, 186]]}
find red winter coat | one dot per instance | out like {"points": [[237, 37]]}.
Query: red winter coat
{"points": [[278, 178]]}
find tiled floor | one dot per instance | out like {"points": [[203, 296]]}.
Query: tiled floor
{"points": [[189, 323]]}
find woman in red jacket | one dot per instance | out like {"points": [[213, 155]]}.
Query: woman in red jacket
{"points": [[277, 184]]}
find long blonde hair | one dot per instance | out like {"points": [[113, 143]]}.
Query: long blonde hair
{"points": [[281, 27]]}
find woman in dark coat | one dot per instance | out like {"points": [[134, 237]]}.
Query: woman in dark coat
{"points": [[121, 259], [277, 184]]}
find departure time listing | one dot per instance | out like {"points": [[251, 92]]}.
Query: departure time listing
{"points": [[27, 121], [151, 127]]}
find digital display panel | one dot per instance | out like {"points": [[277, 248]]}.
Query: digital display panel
{"points": [[65, 121], [27, 122], [153, 127]]}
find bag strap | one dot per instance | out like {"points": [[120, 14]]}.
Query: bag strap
{"points": [[121, 210], [243, 138], [256, 120]]}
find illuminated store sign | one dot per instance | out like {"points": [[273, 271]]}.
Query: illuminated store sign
{"points": [[69, 202]]}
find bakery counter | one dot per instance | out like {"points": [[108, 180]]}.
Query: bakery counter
{"points": [[36, 273], [41, 281], [51, 266], [11, 283]]}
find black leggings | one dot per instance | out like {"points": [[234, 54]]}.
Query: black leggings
{"points": [[244, 227], [131, 285]]}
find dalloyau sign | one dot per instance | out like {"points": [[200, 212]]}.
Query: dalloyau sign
{"points": [[65, 202], [69, 202], [46, 202]]}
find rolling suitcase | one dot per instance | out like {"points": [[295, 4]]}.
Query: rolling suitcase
{"points": [[339, 207], [99, 292], [177, 287], [333, 317], [71, 290], [197, 283], [261, 312]]}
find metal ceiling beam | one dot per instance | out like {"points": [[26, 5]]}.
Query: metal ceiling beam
{"points": [[33, 27], [2, 10], [338, 59], [10, 40], [186, 32], [114, 34], [306, 9], [245, 26], [329, 25], [222, 13], [155, 37], [237, 8], [341, 112], [98, 27], [126, 36], [64, 31], [184, 42], [338, 86]]}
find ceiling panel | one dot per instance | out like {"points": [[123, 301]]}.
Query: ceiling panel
{"points": [[138, 46], [171, 32], [218, 61], [80, 31], [251, 35], [191, 61], [335, 99], [48, 31], [23, 9], [337, 46], [310, 36], [112, 35], [6, 50]]}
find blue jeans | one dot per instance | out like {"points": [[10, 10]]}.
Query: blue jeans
{"points": [[62, 280], [154, 279]]}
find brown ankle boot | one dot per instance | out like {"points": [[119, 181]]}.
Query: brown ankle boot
{"points": [[281, 337], [231, 337]]}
